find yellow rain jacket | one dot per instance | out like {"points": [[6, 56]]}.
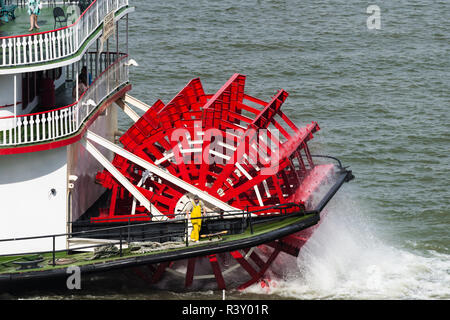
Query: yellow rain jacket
{"points": [[196, 223]]}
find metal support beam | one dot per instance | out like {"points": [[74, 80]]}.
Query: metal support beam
{"points": [[244, 263], [137, 103], [163, 174], [262, 271], [127, 109], [217, 272], [190, 272], [160, 271], [157, 215]]}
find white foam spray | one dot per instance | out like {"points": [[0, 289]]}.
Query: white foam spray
{"points": [[344, 259]]}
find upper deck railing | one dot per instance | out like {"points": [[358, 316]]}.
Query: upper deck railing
{"points": [[62, 122], [56, 44]]}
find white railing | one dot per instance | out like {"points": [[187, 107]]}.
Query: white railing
{"points": [[65, 121], [58, 43]]}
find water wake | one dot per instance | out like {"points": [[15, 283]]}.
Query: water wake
{"points": [[344, 259]]}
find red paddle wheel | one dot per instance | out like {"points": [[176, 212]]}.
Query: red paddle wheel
{"points": [[242, 152]]}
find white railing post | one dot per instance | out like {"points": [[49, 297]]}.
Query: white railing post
{"points": [[19, 131], [17, 50], [63, 42], [10, 50], [35, 43], [24, 47], [86, 20], [31, 122], [3, 51], [75, 38], [30, 49], [41, 48], [37, 122], [58, 40], [53, 40], [69, 34], [25, 129], [47, 56]]}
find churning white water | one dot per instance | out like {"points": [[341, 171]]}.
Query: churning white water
{"points": [[344, 259]]}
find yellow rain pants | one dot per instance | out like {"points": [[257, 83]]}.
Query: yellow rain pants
{"points": [[196, 223]]}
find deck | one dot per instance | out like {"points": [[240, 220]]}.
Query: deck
{"points": [[258, 234], [21, 24], [20, 48]]}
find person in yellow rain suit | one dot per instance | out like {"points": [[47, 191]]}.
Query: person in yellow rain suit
{"points": [[198, 210]]}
